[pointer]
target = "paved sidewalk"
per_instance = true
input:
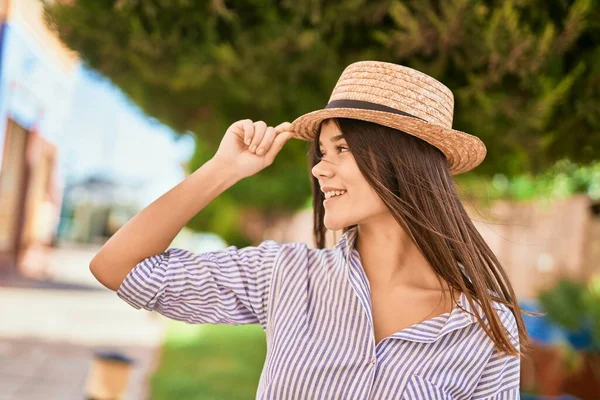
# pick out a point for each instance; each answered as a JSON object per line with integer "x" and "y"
{"x": 32, "y": 369}
{"x": 50, "y": 330}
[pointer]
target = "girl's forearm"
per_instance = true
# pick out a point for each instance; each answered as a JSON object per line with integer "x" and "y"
{"x": 153, "y": 229}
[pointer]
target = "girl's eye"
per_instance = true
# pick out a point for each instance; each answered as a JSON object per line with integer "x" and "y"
{"x": 337, "y": 148}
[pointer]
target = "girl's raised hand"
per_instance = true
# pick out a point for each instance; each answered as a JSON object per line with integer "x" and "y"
{"x": 249, "y": 146}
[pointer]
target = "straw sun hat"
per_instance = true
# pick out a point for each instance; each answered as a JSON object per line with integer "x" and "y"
{"x": 402, "y": 98}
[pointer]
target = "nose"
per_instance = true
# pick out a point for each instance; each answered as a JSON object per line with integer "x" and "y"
{"x": 322, "y": 168}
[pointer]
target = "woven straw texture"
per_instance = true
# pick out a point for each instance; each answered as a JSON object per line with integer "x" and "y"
{"x": 408, "y": 91}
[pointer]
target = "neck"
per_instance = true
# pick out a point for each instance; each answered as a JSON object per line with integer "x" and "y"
{"x": 390, "y": 258}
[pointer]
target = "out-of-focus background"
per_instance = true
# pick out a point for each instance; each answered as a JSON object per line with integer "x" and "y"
{"x": 105, "y": 105}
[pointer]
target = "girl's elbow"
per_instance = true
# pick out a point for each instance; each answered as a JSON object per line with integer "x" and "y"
{"x": 102, "y": 274}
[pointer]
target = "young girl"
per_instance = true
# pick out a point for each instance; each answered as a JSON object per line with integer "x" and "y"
{"x": 409, "y": 304}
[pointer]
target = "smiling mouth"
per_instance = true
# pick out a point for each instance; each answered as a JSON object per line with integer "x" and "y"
{"x": 333, "y": 198}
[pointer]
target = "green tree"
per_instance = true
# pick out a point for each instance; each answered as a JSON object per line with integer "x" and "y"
{"x": 525, "y": 73}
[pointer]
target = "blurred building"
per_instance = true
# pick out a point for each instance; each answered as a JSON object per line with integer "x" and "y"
{"x": 540, "y": 243}
{"x": 36, "y": 85}
{"x": 95, "y": 208}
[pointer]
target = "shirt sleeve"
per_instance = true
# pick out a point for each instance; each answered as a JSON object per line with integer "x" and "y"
{"x": 501, "y": 375}
{"x": 228, "y": 286}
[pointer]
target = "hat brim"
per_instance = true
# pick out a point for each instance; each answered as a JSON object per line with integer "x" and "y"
{"x": 463, "y": 151}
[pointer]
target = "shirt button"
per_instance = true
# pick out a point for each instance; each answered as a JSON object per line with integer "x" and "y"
{"x": 373, "y": 361}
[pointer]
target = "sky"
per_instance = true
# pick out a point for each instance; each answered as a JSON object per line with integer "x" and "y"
{"x": 107, "y": 134}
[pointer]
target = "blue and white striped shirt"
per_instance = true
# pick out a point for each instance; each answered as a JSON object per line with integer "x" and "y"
{"x": 315, "y": 308}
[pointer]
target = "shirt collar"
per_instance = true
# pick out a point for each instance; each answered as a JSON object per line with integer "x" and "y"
{"x": 432, "y": 329}
{"x": 347, "y": 242}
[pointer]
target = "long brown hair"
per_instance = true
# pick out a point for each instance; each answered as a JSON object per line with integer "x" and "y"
{"x": 413, "y": 180}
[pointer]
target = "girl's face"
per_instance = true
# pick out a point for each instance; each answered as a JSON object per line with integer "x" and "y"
{"x": 338, "y": 169}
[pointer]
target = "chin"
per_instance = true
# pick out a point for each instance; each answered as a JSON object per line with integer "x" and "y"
{"x": 330, "y": 225}
{"x": 335, "y": 225}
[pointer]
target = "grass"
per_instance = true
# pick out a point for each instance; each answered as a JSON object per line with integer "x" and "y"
{"x": 209, "y": 362}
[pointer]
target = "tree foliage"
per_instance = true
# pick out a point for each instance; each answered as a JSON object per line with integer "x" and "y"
{"x": 525, "y": 73}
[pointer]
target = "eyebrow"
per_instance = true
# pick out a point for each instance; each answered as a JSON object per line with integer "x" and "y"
{"x": 334, "y": 138}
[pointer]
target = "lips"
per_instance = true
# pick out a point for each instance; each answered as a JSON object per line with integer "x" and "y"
{"x": 333, "y": 198}
{"x": 326, "y": 189}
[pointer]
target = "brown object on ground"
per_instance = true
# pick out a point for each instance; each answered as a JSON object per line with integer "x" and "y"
{"x": 108, "y": 376}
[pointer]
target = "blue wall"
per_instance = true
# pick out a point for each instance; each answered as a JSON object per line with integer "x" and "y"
{"x": 34, "y": 89}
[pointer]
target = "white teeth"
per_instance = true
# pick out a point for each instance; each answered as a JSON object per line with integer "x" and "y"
{"x": 334, "y": 193}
